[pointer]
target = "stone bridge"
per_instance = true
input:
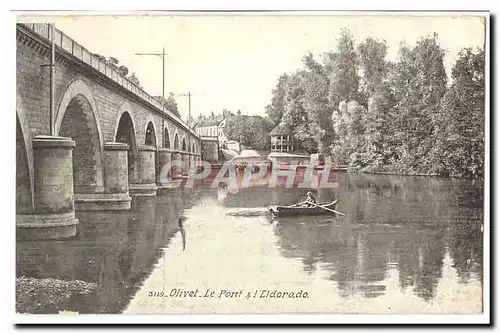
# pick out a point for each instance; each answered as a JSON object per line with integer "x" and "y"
{"x": 107, "y": 139}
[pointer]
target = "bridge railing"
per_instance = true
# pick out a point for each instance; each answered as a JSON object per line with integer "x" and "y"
{"x": 212, "y": 138}
{"x": 69, "y": 45}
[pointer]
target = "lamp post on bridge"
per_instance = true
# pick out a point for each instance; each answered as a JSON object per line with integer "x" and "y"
{"x": 51, "y": 65}
{"x": 162, "y": 55}
{"x": 188, "y": 94}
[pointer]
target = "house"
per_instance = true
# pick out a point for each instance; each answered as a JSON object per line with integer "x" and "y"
{"x": 213, "y": 126}
{"x": 210, "y": 126}
{"x": 285, "y": 147}
{"x": 282, "y": 139}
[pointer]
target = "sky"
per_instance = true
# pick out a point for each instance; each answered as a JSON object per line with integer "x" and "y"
{"x": 233, "y": 60}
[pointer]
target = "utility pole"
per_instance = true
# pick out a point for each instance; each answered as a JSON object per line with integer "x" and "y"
{"x": 51, "y": 65}
{"x": 162, "y": 55}
{"x": 188, "y": 94}
{"x": 52, "y": 79}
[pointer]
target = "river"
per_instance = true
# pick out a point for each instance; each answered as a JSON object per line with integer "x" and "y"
{"x": 406, "y": 244}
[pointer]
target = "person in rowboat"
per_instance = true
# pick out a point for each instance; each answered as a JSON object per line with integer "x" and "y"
{"x": 308, "y": 202}
{"x": 310, "y": 199}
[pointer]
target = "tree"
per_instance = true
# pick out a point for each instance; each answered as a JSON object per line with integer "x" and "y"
{"x": 379, "y": 143}
{"x": 249, "y": 131}
{"x": 372, "y": 55}
{"x": 343, "y": 76}
{"x": 169, "y": 103}
{"x": 123, "y": 70}
{"x": 133, "y": 78}
{"x": 295, "y": 115}
{"x": 374, "y": 88}
{"x": 306, "y": 107}
{"x": 339, "y": 150}
{"x": 350, "y": 146}
{"x": 418, "y": 83}
{"x": 377, "y": 115}
{"x": 113, "y": 62}
{"x": 100, "y": 57}
{"x": 312, "y": 65}
{"x": 459, "y": 147}
{"x": 275, "y": 110}
{"x": 318, "y": 112}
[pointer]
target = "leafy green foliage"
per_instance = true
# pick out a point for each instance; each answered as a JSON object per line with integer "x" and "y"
{"x": 249, "y": 131}
{"x": 459, "y": 148}
{"x": 276, "y": 109}
{"x": 169, "y": 103}
{"x": 344, "y": 65}
{"x": 377, "y": 115}
{"x": 133, "y": 78}
{"x": 123, "y": 70}
{"x": 372, "y": 55}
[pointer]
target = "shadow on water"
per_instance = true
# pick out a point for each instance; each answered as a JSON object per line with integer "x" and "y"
{"x": 116, "y": 250}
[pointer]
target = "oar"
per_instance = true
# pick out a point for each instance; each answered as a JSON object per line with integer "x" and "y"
{"x": 339, "y": 213}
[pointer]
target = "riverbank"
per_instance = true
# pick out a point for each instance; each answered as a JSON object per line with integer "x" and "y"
{"x": 49, "y": 295}
{"x": 402, "y": 172}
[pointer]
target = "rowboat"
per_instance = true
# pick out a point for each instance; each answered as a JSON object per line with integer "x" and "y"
{"x": 281, "y": 211}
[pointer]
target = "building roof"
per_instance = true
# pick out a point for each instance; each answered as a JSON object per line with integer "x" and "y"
{"x": 280, "y": 130}
{"x": 209, "y": 121}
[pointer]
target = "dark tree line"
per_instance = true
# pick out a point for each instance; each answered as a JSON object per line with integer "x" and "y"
{"x": 376, "y": 115}
{"x": 169, "y": 103}
{"x": 121, "y": 69}
{"x": 249, "y": 131}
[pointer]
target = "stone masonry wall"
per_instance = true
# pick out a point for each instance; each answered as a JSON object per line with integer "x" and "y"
{"x": 107, "y": 100}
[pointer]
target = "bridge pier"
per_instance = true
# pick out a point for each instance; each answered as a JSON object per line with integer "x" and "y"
{"x": 177, "y": 170}
{"x": 185, "y": 164}
{"x": 146, "y": 172}
{"x": 197, "y": 159}
{"x": 164, "y": 156}
{"x": 115, "y": 195}
{"x": 53, "y": 206}
{"x": 193, "y": 165}
{"x": 189, "y": 162}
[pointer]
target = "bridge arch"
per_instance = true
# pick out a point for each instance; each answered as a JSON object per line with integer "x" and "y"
{"x": 176, "y": 141}
{"x": 184, "y": 147}
{"x": 126, "y": 107}
{"x": 77, "y": 87}
{"x": 77, "y": 118}
{"x": 167, "y": 138}
{"x": 150, "y": 136}
{"x": 24, "y": 162}
{"x": 125, "y": 133}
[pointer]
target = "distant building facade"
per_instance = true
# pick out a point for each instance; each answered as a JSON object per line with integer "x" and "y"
{"x": 213, "y": 126}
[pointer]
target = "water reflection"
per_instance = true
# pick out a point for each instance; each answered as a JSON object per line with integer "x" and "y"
{"x": 264, "y": 196}
{"x": 116, "y": 250}
{"x": 401, "y": 236}
{"x": 405, "y": 221}
{"x": 183, "y": 232}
